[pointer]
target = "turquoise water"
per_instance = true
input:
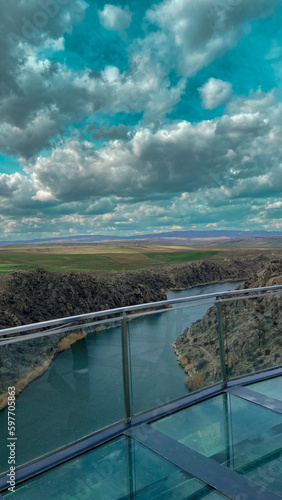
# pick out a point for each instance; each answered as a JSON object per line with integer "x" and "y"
{"x": 271, "y": 388}
{"x": 119, "y": 470}
{"x": 236, "y": 433}
{"x": 82, "y": 391}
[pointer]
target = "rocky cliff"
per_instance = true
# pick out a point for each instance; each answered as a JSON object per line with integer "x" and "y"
{"x": 38, "y": 295}
{"x": 252, "y": 334}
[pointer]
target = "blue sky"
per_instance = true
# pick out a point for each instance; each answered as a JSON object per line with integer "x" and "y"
{"x": 135, "y": 117}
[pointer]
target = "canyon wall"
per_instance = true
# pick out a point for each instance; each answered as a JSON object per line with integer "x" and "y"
{"x": 252, "y": 331}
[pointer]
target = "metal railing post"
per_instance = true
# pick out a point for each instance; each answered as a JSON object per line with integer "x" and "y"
{"x": 126, "y": 369}
{"x": 221, "y": 343}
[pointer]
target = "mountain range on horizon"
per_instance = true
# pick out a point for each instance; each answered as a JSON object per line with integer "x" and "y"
{"x": 187, "y": 235}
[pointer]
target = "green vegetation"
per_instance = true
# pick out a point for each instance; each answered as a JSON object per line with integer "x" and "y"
{"x": 180, "y": 256}
{"x": 12, "y": 261}
{"x": 57, "y": 262}
{"x": 8, "y": 268}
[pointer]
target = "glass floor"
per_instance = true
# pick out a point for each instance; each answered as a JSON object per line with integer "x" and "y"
{"x": 271, "y": 388}
{"x": 238, "y": 434}
{"x": 223, "y": 447}
{"x": 121, "y": 469}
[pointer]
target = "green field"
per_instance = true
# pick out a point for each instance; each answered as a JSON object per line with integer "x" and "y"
{"x": 8, "y": 268}
{"x": 166, "y": 257}
{"x": 69, "y": 262}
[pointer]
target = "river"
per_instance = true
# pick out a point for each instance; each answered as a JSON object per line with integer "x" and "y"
{"x": 83, "y": 391}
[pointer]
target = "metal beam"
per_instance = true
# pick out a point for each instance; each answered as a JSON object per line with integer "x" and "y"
{"x": 222, "y": 479}
{"x": 126, "y": 369}
{"x": 258, "y": 376}
{"x": 257, "y": 398}
{"x": 222, "y": 351}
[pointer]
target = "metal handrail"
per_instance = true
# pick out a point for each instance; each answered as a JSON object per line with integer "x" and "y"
{"x": 137, "y": 307}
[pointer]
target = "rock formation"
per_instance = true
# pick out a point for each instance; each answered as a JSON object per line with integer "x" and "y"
{"x": 252, "y": 334}
{"x": 38, "y": 295}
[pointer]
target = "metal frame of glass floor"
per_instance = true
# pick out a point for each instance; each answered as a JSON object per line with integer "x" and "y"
{"x": 222, "y": 440}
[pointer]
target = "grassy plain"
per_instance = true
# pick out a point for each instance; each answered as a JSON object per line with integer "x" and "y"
{"x": 138, "y": 254}
{"x": 69, "y": 258}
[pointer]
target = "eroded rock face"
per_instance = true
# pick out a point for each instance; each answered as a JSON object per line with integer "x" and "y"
{"x": 252, "y": 331}
{"x": 38, "y": 295}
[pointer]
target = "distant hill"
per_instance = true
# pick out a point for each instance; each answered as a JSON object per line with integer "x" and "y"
{"x": 187, "y": 235}
{"x": 209, "y": 234}
{"x": 71, "y": 239}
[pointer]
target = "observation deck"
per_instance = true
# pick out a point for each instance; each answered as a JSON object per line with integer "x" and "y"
{"x": 126, "y": 415}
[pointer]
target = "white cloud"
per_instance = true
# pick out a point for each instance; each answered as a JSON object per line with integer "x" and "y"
{"x": 107, "y": 185}
{"x": 46, "y": 97}
{"x": 212, "y": 224}
{"x": 176, "y": 157}
{"x": 40, "y": 98}
{"x": 11, "y": 184}
{"x": 273, "y": 223}
{"x": 276, "y": 204}
{"x": 115, "y": 18}
{"x": 42, "y": 195}
{"x": 215, "y": 92}
{"x": 179, "y": 156}
{"x": 194, "y": 33}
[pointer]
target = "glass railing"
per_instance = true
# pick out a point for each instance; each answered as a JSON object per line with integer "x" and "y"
{"x": 72, "y": 377}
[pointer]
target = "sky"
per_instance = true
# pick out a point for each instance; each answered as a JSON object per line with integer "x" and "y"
{"x": 139, "y": 117}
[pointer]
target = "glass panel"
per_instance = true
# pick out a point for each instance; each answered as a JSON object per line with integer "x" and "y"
{"x": 271, "y": 388}
{"x": 240, "y": 435}
{"x": 254, "y": 341}
{"x": 166, "y": 363}
{"x": 119, "y": 470}
{"x": 66, "y": 395}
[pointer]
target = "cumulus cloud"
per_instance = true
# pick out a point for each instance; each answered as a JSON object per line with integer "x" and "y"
{"x": 9, "y": 184}
{"x": 193, "y": 34}
{"x": 115, "y": 18}
{"x": 40, "y": 98}
{"x": 199, "y": 173}
{"x": 215, "y": 92}
{"x": 28, "y": 86}
{"x": 168, "y": 172}
{"x": 230, "y": 151}
{"x": 32, "y": 23}
{"x": 275, "y": 205}
{"x": 37, "y": 21}
{"x": 49, "y": 97}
